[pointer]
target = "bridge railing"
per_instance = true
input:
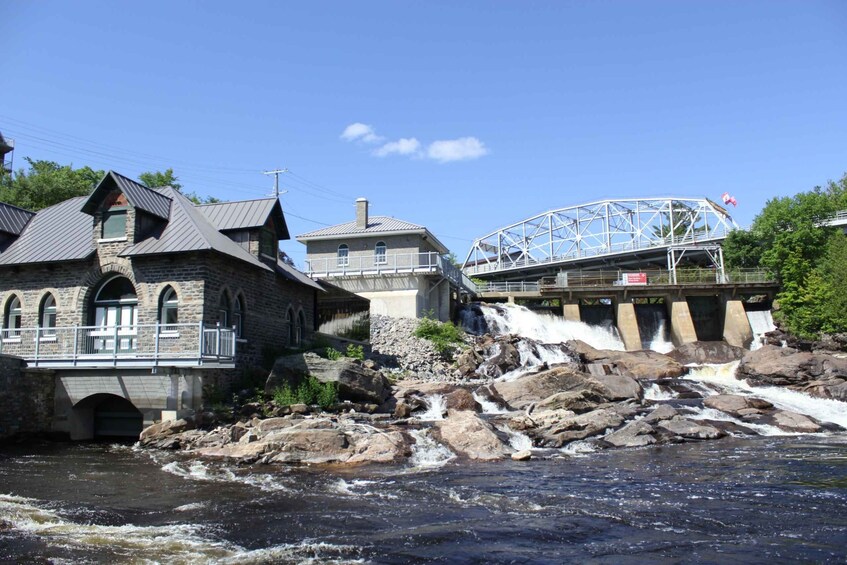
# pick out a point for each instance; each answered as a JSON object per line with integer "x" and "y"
{"x": 507, "y": 286}
{"x": 107, "y": 345}
{"x": 653, "y": 277}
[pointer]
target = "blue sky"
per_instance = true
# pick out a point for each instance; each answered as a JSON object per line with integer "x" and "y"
{"x": 478, "y": 114}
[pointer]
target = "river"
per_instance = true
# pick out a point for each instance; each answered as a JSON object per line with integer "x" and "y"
{"x": 773, "y": 498}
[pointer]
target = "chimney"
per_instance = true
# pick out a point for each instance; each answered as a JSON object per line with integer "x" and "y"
{"x": 362, "y": 213}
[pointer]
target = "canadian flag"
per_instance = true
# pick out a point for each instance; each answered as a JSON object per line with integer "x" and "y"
{"x": 729, "y": 199}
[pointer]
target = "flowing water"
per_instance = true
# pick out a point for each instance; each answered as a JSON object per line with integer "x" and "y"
{"x": 771, "y": 498}
{"x": 761, "y": 322}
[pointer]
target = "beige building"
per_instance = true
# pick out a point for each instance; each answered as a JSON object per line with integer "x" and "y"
{"x": 399, "y": 266}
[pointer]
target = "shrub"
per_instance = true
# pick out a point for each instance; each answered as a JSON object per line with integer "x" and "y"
{"x": 445, "y": 337}
{"x": 333, "y": 354}
{"x": 355, "y": 352}
{"x": 284, "y": 396}
{"x": 309, "y": 391}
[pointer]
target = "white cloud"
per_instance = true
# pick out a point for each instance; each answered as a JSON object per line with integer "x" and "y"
{"x": 461, "y": 149}
{"x": 404, "y": 146}
{"x": 361, "y": 132}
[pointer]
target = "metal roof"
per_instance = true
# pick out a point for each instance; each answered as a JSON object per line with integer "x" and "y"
{"x": 246, "y": 214}
{"x": 13, "y": 219}
{"x": 189, "y": 230}
{"x": 59, "y": 233}
{"x": 377, "y": 225}
{"x": 138, "y": 195}
{"x": 293, "y": 274}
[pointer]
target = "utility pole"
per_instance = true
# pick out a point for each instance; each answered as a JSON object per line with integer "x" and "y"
{"x": 276, "y": 173}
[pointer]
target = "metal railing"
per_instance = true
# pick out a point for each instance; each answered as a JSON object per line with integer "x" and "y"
{"x": 653, "y": 277}
{"x": 146, "y": 343}
{"x": 507, "y": 287}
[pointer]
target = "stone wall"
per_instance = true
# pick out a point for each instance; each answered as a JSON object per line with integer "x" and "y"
{"x": 26, "y": 399}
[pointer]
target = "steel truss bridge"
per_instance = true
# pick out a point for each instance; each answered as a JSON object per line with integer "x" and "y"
{"x": 628, "y": 233}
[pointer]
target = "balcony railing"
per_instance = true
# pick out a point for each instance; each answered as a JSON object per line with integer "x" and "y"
{"x": 375, "y": 264}
{"x": 132, "y": 345}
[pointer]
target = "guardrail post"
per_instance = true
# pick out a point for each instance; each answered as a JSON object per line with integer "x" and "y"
{"x": 218, "y": 340}
{"x": 37, "y": 343}
{"x": 76, "y": 343}
{"x": 200, "y": 339}
{"x": 156, "y": 343}
{"x": 115, "y": 346}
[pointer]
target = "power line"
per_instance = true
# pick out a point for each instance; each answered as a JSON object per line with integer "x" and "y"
{"x": 276, "y": 173}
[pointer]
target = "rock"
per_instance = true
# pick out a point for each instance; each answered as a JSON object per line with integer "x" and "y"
{"x": 242, "y": 452}
{"x": 355, "y": 381}
{"x": 523, "y": 391}
{"x": 577, "y": 401}
{"x": 690, "y": 430}
{"x": 634, "y": 434}
{"x": 309, "y": 445}
{"x": 299, "y": 409}
{"x": 729, "y": 403}
{"x": 554, "y": 428}
{"x": 271, "y": 424}
{"x": 661, "y": 412}
{"x": 394, "y": 344}
{"x": 818, "y": 373}
{"x": 468, "y": 361}
{"x": 524, "y": 455}
{"x": 461, "y": 399}
{"x": 701, "y": 352}
{"x": 645, "y": 364}
{"x": 402, "y": 411}
{"x": 500, "y": 356}
{"x": 165, "y": 429}
{"x": 381, "y": 447}
{"x": 794, "y": 422}
{"x": 464, "y": 432}
{"x": 620, "y": 387}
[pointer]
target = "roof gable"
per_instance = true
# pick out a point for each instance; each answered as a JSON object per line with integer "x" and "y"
{"x": 246, "y": 214}
{"x": 13, "y": 219}
{"x": 138, "y": 195}
{"x": 61, "y": 232}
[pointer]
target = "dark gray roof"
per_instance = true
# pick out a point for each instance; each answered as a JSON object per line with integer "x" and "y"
{"x": 293, "y": 274}
{"x": 189, "y": 230}
{"x": 58, "y": 233}
{"x": 138, "y": 195}
{"x": 13, "y": 219}
{"x": 377, "y": 225}
{"x": 246, "y": 214}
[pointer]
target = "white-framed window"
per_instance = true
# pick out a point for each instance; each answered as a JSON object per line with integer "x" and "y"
{"x": 169, "y": 310}
{"x": 379, "y": 253}
{"x": 238, "y": 316}
{"x": 47, "y": 315}
{"x": 343, "y": 255}
{"x": 115, "y": 309}
{"x": 12, "y": 318}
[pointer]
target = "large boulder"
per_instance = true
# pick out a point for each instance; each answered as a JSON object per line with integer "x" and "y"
{"x": 355, "y": 381}
{"x": 381, "y": 447}
{"x": 464, "y": 432}
{"x": 555, "y": 428}
{"x": 737, "y": 405}
{"x": 499, "y": 356}
{"x": 794, "y": 422}
{"x": 528, "y": 389}
{"x": 461, "y": 399}
{"x": 635, "y": 434}
{"x": 620, "y": 387}
{"x": 688, "y": 429}
{"x": 819, "y": 374}
{"x": 701, "y": 352}
{"x": 644, "y": 364}
{"x": 165, "y": 429}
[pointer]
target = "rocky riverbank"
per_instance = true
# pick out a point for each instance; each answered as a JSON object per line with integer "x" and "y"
{"x": 486, "y": 404}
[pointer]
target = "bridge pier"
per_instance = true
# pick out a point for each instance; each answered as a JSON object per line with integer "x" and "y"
{"x": 736, "y": 326}
{"x": 682, "y": 325}
{"x": 628, "y": 325}
{"x": 570, "y": 311}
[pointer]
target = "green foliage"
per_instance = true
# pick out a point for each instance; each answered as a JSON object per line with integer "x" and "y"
{"x": 309, "y": 391}
{"x": 355, "y": 352}
{"x": 155, "y": 179}
{"x": 333, "y": 354}
{"x": 47, "y": 183}
{"x": 806, "y": 259}
{"x": 445, "y": 337}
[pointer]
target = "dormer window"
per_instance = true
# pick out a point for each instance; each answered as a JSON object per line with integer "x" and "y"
{"x": 266, "y": 242}
{"x": 114, "y": 222}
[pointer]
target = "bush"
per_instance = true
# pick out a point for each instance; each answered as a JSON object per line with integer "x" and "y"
{"x": 310, "y": 391}
{"x": 333, "y": 354}
{"x": 445, "y": 337}
{"x": 355, "y": 352}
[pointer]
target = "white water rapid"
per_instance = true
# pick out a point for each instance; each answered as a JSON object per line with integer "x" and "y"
{"x": 658, "y": 341}
{"x": 436, "y": 408}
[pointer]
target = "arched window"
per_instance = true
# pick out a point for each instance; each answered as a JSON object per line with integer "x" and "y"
{"x": 301, "y": 327}
{"x": 169, "y": 310}
{"x": 289, "y": 320}
{"x": 47, "y": 315}
{"x": 223, "y": 309}
{"x": 12, "y": 318}
{"x": 238, "y": 316}
{"x": 343, "y": 252}
{"x": 115, "y": 306}
{"x": 379, "y": 253}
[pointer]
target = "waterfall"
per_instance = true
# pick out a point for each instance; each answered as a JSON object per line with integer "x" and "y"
{"x": 435, "y": 408}
{"x": 659, "y": 342}
{"x": 428, "y": 453}
{"x": 545, "y": 328}
{"x": 723, "y": 378}
{"x": 488, "y": 407}
{"x": 761, "y": 322}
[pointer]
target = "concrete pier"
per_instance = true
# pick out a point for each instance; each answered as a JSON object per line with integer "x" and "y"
{"x": 682, "y": 326}
{"x": 628, "y": 325}
{"x": 736, "y": 326}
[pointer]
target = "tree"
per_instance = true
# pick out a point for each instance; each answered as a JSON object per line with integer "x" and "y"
{"x": 155, "y": 179}
{"x": 47, "y": 183}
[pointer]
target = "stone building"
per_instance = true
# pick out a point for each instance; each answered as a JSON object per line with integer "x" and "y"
{"x": 139, "y": 300}
{"x": 401, "y": 267}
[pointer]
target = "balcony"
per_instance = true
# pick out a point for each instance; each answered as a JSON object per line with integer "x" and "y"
{"x": 129, "y": 346}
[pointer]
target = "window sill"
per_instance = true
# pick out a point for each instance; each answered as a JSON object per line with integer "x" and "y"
{"x": 241, "y": 340}
{"x": 168, "y": 335}
{"x": 11, "y": 340}
{"x": 111, "y": 240}
{"x": 47, "y": 339}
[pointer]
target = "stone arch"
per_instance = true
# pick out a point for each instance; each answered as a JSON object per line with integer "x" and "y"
{"x": 95, "y": 276}
{"x": 239, "y": 312}
{"x": 105, "y": 415}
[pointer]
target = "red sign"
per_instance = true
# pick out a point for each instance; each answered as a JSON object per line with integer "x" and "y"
{"x": 635, "y": 278}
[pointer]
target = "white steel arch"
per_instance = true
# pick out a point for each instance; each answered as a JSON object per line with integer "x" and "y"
{"x": 606, "y": 227}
